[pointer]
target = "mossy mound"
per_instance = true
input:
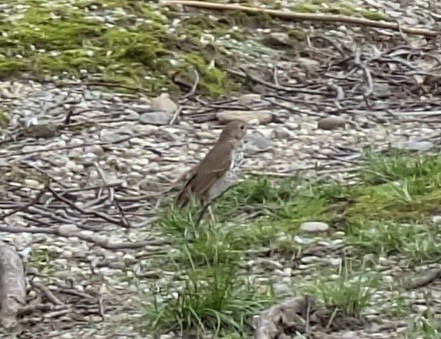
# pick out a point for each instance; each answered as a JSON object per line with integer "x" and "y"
{"x": 129, "y": 42}
{"x": 122, "y": 42}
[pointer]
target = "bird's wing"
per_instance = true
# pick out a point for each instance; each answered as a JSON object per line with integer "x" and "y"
{"x": 215, "y": 164}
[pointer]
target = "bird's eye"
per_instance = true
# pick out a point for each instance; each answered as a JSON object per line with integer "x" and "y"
{"x": 242, "y": 127}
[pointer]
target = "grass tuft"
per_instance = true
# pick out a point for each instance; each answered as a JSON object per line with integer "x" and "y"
{"x": 287, "y": 199}
{"x": 349, "y": 291}
{"x": 394, "y": 166}
{"x": 417, "y": 241}
{"x": 423, "y": 326}
{"x": 213, "y": 300}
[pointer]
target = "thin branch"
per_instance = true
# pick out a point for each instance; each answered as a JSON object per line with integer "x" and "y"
{"x": 193, "y": 88}
{"x": 49, "y": 295}
{"x": 82, "y": 210}
{"x": 26, "y": 206}
{"x": 305, "y": 16}
{"x": 112, "y": 197}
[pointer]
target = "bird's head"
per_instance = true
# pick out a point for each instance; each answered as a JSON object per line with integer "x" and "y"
{"x": 234, "y": 131}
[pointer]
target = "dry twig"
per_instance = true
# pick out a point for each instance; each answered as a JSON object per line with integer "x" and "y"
{"x": 305, "y": 16}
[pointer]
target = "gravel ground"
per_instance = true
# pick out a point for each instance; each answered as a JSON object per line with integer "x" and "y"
{"x": 118, "y": 153}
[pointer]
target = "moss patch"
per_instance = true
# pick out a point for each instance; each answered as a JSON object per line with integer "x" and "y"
{"x": 115, "y": 41}
{"x": 4, "y": 119}
{"x": 399, "y": 187}
{"x": 130, "y": 42}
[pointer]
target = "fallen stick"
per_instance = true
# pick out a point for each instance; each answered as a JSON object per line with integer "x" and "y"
{"x": 305, "y": 16}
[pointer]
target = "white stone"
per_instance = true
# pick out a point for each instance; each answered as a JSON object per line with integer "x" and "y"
{"x": 33, "y": 183}
{"x": 67, "y": 229}
{"x": 247, "y": 99}
{"x": 314, "y": 226}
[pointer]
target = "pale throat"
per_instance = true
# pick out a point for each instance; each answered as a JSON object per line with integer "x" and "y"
{"x": 236, "y": 158}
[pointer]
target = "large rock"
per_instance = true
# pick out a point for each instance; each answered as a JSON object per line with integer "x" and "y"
{"x": 163, "y": 103}
{"x": 331, "y": 123}
{"x": 249, "y": 117}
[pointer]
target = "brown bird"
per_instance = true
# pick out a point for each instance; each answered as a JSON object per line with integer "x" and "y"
{"x": 217, "y": 172}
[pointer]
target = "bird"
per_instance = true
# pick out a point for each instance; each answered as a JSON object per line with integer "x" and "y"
{"x": 217, "y": 171}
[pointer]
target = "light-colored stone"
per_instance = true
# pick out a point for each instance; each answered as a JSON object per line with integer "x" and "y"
{"x": 163, "y": 103}
{"x": 33, "y": 183}
{"x": 349, "y": 335}
{"x": 410, "y": 145}
{"x": 308, "y": 65}
{"x": 67, "y": 229}
{"x": 155, "y": 118}
{"x": 281, "y": 289}
{"x": 436, "y": 219}
{"x": 382, "y": 90}
{"x": 247, "y": 99}
{"x": 275, "y": 39}
{"x": 306, "y": 127}
{"x": 256, "y": 143}
{"x": 283, "y": 133}
{"x": 314, "y": 226}
{"x": 292, "y": 125}
{"x": 310, "y": 259}
{"x": 263, "y": 117}
{"x": 331, "y": 123}
{"x": 335, "y": 261}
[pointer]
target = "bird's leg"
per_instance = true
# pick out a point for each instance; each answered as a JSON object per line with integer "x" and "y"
{"x": 210, "y": 212}
{"x": 201, "y": 214}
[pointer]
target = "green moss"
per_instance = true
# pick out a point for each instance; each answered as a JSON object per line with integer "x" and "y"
{"x": 373, "y": 15}
{"x": 202, "y": 22}
{"x": 297, "y": 34}
{"x": 42, "y": 260}
{"x": 305, "y": 8}
{"x": 4, "y": 119}
{"x": 398, "y": 187}
{"x": 418, "y": 241}
{"x": 255, "y": 20}
{"x": 58, "y": 41}
{"x": 9, "y": 67}
{"x": 213, "y": 80}
{"x": 284, "y": 203}
{"x": 403, "y": 200}
{"x": 134, "y": 48}
{"x": 341, "y": 10}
